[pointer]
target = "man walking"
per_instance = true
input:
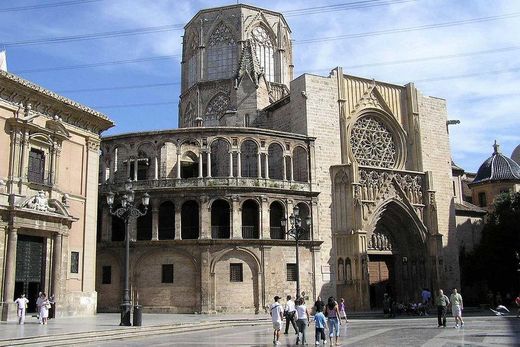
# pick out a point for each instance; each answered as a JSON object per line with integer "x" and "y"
{"x": 457, "y": 307}
{"x": 277, "y": 318}
{"x": 442, "y": 303}
{"x": 21, "y": 304}
{"x": 290, "y": 311}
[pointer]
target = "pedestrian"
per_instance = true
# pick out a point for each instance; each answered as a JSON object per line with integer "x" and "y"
{"x": 332, "y": 314}
{"x": 52, "y": 311}
{"x": 289, "y": 313}
{"x": 303, "y": 320}
{"x": 442, "y": 303}
{"x": 426, "y": 296}
{"x": 319, "y": 304}
{"x": 517, "y": 302}
{"x": 456, "y": 308}
{"x": 342, "y": 311}
{"x": 21, "y": 305}
{"x": 44, "y": 309}
{"x": 320, "y": 323}
{"x": 277, "y": 319}
{"x": 39, "y": 301}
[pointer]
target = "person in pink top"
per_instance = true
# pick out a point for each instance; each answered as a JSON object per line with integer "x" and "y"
{"x": 342, "y": 311}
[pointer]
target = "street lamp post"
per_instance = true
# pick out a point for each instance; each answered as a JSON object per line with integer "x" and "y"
{"x": 126, "y": 212}
{"x": 296, "y": 231}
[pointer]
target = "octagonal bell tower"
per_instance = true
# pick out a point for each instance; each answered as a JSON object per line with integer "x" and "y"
{"x": 236, "y": 60}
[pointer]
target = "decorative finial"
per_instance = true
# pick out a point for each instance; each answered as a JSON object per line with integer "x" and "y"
{"x": 496, "y": 147}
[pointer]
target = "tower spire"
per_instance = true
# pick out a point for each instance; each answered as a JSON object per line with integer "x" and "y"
{"x": 496, "y": 148}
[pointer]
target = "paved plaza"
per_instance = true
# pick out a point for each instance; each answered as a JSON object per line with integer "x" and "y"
{"x": 222, "y": 330}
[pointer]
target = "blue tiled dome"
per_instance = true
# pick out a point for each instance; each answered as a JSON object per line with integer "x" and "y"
{"x": 498, "y": 167}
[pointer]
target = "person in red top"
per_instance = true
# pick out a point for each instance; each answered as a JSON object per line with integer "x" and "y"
{"x": 517, "y": 302}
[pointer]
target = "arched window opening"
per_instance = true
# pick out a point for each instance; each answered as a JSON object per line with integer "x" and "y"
{"x": 250, "y": 220}
{"x": 276, "y": 214}
{"x": 167, "y": 221}
{"x": 348, "y": 270}
{"x": 189, "y": 115}
{"x": 249, "y": 159}
{"x": 264, "y": 49}
{"x": 191, "y": 58}
{"x": 189, "y": 165}
{"x": 220, "y": 219}
{"x": 341, "y": 270}
{"x": 144, "y": 226}
{"x": 300, "y": 165}
{"x": 220, "y": 158}
{"x": 304, "y": 213}
{"x": 275, "y": 161}
{"x": 217, "y": 106}
{"x": 288, "y": 171}
{"x": 221, "y": 53}
{"x": 190, "y": 220}
{"x": 118, "y": 227}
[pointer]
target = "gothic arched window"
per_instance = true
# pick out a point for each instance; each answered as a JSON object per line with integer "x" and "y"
{"x": 191, "y": 58}
{"x": 216, "y": 108}
{"x": 189, "y": 115}
{"x": 221, "y": 53}
{"x": 341, "y": 270}
{"x": 372, "y": 143}
{"x": 264, "y": 51}
{"x": 348, "y": 270}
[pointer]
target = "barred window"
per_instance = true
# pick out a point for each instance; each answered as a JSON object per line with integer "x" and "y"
{"x": 236, "y": 273}
{"x": 167, "y": 273}
{"x": 106, "y": 275}
{"x": 74, "y": 262}
{"x": 292, "y": 272}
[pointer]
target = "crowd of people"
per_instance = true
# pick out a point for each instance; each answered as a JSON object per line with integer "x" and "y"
{"x": 296, "y": 313}
{"x": 44, "y": 308}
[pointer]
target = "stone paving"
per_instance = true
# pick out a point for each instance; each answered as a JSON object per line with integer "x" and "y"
{"x": 478, "y": 331}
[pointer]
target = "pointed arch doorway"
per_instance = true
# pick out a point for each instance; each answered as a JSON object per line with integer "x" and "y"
{"x": 397, "y": 255}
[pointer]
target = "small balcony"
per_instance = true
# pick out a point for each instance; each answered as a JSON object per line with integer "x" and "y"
{"x": 250, "y": 232}
{"x": 277, "y": 233}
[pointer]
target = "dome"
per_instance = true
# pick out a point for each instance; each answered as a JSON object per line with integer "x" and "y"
{"x": 516, "y": 154}
{"x": 497, "y": 167}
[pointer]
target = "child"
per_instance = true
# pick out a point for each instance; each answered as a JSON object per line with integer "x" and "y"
{"x": 320, "y": 323}
{"x": 342, "y": 312}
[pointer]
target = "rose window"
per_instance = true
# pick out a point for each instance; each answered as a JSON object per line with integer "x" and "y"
{"x": 372, "y": 143}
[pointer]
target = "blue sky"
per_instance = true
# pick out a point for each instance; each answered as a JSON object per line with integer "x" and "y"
{"x": 471, "y": 60}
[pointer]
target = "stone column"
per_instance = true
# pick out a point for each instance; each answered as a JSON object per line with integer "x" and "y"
{"x": 112, "y": 172}
{"x": 266, "y": 165}
{"x": 179, "y": 164}
{"x": 106, "y": 226}
{"x": 135, "y": 169}
{"x": 24, "y": 161}
{"x": 128, "y": 163}
{"x": 52, "y": 166}
{"x": 178, "y": 219}
{"x": 265, "y": 230}
{"x": 204, "y": 220}
{"x": 9, "y": 308}
{"x": 288, "y": 211}
{"x": 155, "y": 219}
{"x": 208, "y": 154}
{"x": 206, "y": 299}
{"x": 57, "y": 261}
{"x": 259, "y": 164}
{"x": 156, "y": 166}
{"x": 239, "y": 165}
{"x": 236, "y": 231}
{"x": 200, "y": 165}
{"x": 231, "y": 164}
{"x": 292, "y": 169}
{"x": 284, "y": 168}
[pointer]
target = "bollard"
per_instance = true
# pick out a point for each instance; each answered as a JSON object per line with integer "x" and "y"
{"x": 138, "y": 316}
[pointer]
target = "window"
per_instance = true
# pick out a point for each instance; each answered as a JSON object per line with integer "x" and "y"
{"x": 107, "y": 275}
{"x": 482, "y": 199}
{"x": 264, "y": 51}
{"x": 235, "y": 273}
{"x": 292, "y": 272}
{"x": 221, "y": 53}
{"x": 167, "y": 273}
{"x": 36, "y": 166}
{"x": 74, "y": 262}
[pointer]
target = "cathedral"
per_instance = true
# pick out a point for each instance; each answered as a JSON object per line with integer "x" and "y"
{"x": 365, "y": 165}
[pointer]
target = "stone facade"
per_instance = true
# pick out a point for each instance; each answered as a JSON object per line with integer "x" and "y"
{"x": 368, "y": 161}
{"x": 48, "y": 197}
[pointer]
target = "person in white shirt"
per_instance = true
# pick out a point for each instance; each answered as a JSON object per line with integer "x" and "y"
{"x": 277, "y": 319}
{"x": 303, "y": 320}
{"x": 290, "y": 311}
{"x": 39, "y": 307}
{"x": 21, "y": 304}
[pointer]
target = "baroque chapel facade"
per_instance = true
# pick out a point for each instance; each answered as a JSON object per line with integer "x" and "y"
{"x": 367, "y": 161}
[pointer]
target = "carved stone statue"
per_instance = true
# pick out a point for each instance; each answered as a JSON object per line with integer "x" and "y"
{"x": 40, "y": 202}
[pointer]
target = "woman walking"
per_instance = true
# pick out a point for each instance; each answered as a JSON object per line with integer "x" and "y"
{"x": 44, "y": 308}
{"x": 342, "y": 311}
{"x": 303, "y": 320}
{"x": 332, "y": 313}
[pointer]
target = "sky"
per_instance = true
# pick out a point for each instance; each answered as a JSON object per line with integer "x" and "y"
{"x": 122, "y": 57}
